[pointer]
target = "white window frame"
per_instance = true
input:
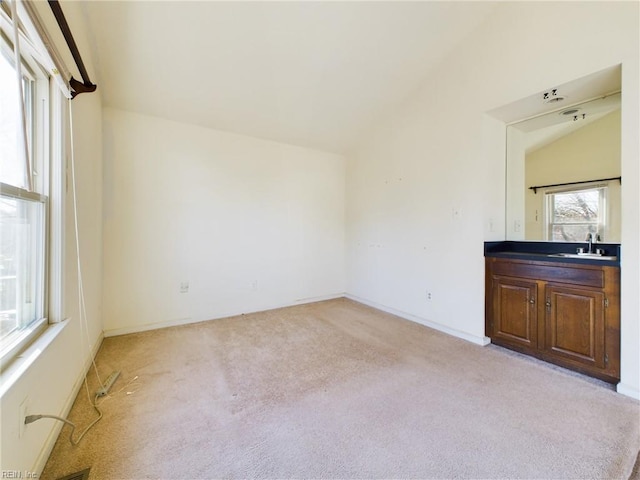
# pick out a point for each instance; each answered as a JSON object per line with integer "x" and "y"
{"x": 47, "y": 151}
{"x": 602, "y": 225}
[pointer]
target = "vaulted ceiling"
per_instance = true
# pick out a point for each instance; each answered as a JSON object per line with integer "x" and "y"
{"x": 314, "y": 74}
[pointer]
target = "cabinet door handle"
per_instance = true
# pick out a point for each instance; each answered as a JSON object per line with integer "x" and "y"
{"x": 532, "y": 300}
{"x": 548, "y": 303}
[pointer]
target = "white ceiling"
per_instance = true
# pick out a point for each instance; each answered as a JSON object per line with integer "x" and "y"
{"x": 315, "y": 74}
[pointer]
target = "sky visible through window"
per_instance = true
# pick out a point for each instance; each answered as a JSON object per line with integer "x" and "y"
{"x": 11, "y": 170}
{"x": 10, "y": 173}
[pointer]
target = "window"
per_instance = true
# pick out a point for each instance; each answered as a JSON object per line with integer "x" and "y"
{"x": 24, "y": 201}
{"x": 573, "y": 214}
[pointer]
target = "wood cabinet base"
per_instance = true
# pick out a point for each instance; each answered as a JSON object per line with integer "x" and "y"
{"x": 560, "y": 362}
{"x": 566, "y": 314}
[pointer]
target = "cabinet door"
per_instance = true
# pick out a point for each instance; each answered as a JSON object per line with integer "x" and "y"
{"x": 574, "y": 324}
{"x": 514, "y": 312}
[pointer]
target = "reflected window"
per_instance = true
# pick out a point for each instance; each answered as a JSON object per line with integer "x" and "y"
{"x": 573, "y": 214}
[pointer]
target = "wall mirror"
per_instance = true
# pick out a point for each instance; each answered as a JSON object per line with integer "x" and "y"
{"x": 563, "y": 173}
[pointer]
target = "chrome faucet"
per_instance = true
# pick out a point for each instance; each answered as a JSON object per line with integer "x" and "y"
{"x": 590, "y": 242}
{"x": 591, "y": 239}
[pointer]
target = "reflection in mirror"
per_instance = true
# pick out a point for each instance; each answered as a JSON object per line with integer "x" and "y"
{"x": 563, "y": 174}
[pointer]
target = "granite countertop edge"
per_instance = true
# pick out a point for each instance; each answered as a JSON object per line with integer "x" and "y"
{"x": 542, "y": 251}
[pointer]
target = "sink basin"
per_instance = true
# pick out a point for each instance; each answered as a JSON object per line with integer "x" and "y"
{"x": 590, "y": 256}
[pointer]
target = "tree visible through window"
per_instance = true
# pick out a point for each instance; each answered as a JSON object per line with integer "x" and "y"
{"x": 572, "y": 215}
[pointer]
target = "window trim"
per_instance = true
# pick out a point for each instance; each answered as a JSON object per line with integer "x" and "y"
{"x": 55, "y": 211}
{"x": 21, "y": 342}
{"x": 21, "y": 194}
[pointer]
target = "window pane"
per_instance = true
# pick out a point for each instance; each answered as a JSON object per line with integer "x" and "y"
{"x": 572, "y": 215}
{"x": 576, "y": 207}
{"x": 12, "y": 165}
{"x": 572, "y": 233}
{"x": 11, "y": 171}
{"x": 21, "y": 265}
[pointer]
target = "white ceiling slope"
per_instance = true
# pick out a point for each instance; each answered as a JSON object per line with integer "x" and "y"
{"x": 314, "y": 74}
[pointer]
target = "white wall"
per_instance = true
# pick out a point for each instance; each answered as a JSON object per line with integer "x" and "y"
{"x": 422, "y": 189}
{"x": 51, "y": 381}
{"x": 250, "y": 224}
{"x": 516, "y": 174}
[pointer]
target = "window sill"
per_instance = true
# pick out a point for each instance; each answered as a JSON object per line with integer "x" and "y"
{"x": 18, "y": 342}
{"x": 21, "y": 363}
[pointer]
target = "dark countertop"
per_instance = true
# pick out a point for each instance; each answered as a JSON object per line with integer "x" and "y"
{"x": 541, "y": 251}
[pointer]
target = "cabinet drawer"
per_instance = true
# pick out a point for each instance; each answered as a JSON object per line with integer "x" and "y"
{"x": 587, "y": 277}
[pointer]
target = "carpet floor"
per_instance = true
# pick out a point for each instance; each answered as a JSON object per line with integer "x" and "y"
{"x": 336, "y": 389}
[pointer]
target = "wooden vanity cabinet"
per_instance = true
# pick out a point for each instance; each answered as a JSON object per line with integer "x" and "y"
{"x": 564, "y": 313}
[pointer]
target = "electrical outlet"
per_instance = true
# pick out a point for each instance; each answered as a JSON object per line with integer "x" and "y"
{"x": 254, "y": 285}
{"x": 428, "y": 295}
{"x": 23, "y": 411}
{"x": 184, "y": 287}
{"x": 516, "y": 225}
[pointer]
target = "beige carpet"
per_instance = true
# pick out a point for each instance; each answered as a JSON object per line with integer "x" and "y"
{"x": 339, "y": 390}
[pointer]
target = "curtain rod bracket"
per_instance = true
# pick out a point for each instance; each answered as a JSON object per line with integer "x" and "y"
{"x": 78, "y": 87}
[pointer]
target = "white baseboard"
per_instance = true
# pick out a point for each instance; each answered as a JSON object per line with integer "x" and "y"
{"x": 628, "y": 391}
{"x": 185, "y": 321}
{"x": 41, "y": 461}
{"x": 321, "y": 298}
{"x": 149, "y": 326}
{"x": 423, "y": 321}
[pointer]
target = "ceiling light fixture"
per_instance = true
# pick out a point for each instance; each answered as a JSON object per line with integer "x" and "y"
{"x": 552, "y": 96}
